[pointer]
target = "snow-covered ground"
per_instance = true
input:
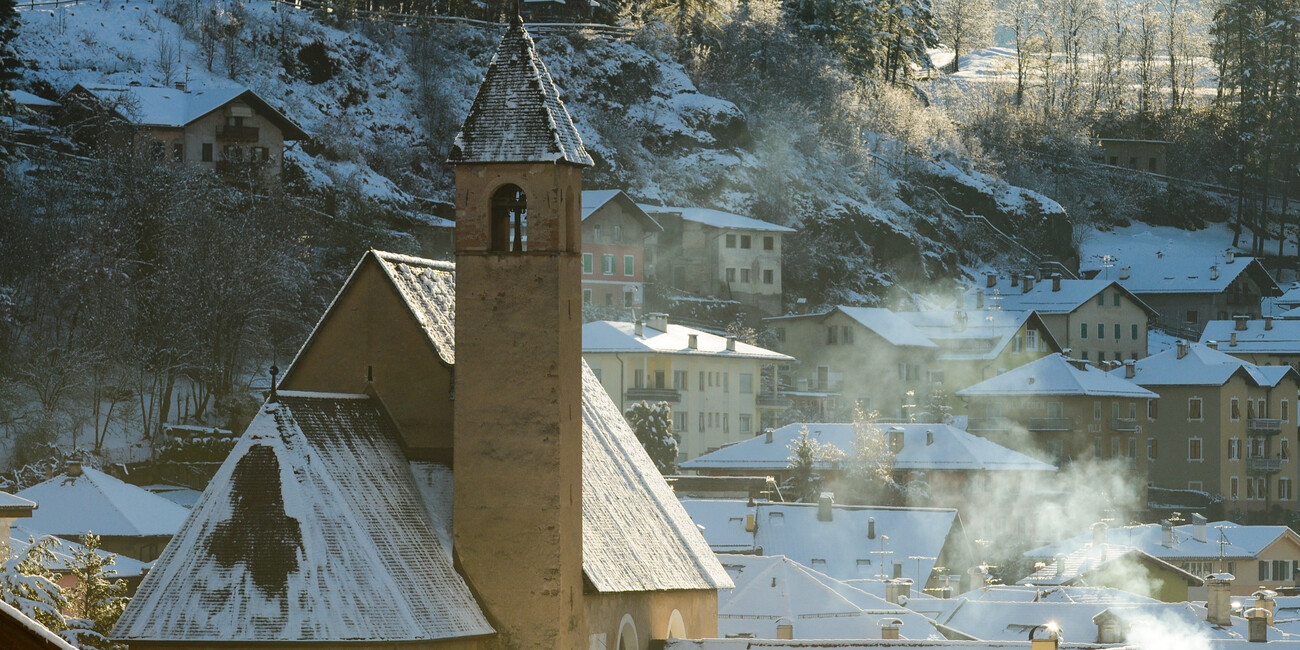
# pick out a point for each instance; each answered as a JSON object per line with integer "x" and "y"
{"x": 1142, "y": 241}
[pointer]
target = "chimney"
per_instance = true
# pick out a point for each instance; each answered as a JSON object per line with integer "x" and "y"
{"x": 1232, "y": 340}
{"x": 1218, "y": 604}
{"x": 929, "y": 437}
{"x": 1268, "y": 323}
{"x": 1099, "y": 533}
{"x": 731, "y": 344}
{"x": 898, "y": 590}
{"x": 1015, "y": 280}
{"x": 1265, "y": 600}
{"x": 693, "y": 341}
{"x": 1166, "y": 533}
{"x": 979, "y": 300}
{"x": 639, "y": 328}
{"x": 1029, "y": 283}
{"x": 1125, "y": 272}
{"x": 1213, "y": 345}
{"x": 1130, "y": 368}
{"x": 73, "y": 469}
{"x": 1257, "y": 619}
{"x": 824, "y": 510}
{"x": 1232, "y": 257}
{"x": 871, "y": 528}
{"x": 1079, "y": 364}
{"x": 801, "y": 306}
{"x": 1045, "y": 637}
{"x": 889, "y": 628}
{"x": 767, "y": 436}
{"x": 657, "y": 321}
{"x": 1182, "y": 347}
{"x": 1198, "y": 527}
{"x": 1214, "y": 272}
{"x": 1056, "y": 282}
{"x": 1241, "y": 322}
{"x": 179, "y": 85}
{"x": 991, "y": 280}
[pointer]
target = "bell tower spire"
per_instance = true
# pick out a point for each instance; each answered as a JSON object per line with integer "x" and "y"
{"x": 518, "y": 427}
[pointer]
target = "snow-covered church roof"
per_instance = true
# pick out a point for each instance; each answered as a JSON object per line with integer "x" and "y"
{"x": 517, "y": 115}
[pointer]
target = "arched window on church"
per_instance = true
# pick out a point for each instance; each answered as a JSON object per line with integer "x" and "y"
{"x": 508, "y": 219}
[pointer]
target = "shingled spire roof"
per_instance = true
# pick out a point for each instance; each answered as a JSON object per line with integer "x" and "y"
{"x": 517, "y": 115}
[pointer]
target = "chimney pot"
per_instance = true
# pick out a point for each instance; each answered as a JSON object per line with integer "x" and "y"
{"x": 1045, "y": 637}
{"x": 1130, "y": 369}
{"x": 1268, "y": 323}
{"x": 1232, "y": 340}
{"x": 1166, "y": 533}
{"x": 731, "y": 344}
{"x": 871, "y": 528}
{"x": 767, "y": 436}
{"x": 1056, "y": 282}
{"x": 74, "y": 468}
{"x": 1182, "y": 348}
{"x": 639, "y": 328}
{"x": 1232, "y": 257}
{"x": 1241, "y": 322}
{"x": 991, "y": 280}
{"x": 1218, "y": 603}
{"x": 1214, "y": 272}
{"x": 693, "y": 341}
{"x": 1125, "y": 272}
{"x": 824, "y": 510}
{"x": 929, "y": 437}
{"x": 1029, "y": 283}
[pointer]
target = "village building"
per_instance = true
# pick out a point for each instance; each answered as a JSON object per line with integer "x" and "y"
{"x": 21, "y": 538}
{"x": 708, "y": 252}
{"x": 21, "y": 632}
{"x": 1143, "y": 155}
{"x": 129, "y": 520}
{"x": 715, "y": 384}
{"x": 1062, "y": 409}
{"x": 955, "y": 466}
{"x": 614, "y": 263}
{"x": 847, "y": 543}
{"x": 1189, "y": 291}
{"x": 1222, "y": 426}
{"x": 1119, "y": 567}
{"x": 1261, "y": 557}
{"x": 13, "y": 508}
{"x": 1267, "y": 341}
{"x": 227, "y": 130}
{"x": 438, "y": 467}
{"x": 1095, "y": 320}
{"x": 842, "y": 353}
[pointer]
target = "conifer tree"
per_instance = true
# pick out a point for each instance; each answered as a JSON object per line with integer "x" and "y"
{"x": 28, "y": 584}
{"x": 9, "y": 64}
{"x": 653, "y": 424}
{"x": 95, "y": 601}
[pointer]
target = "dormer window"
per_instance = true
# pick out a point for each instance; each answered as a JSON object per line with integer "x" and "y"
{"x": 508, "y": 219}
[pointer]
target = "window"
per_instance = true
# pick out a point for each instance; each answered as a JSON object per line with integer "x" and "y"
{"x": 1284, "y": 449}
{"x": 1194, "y": 485}
{"x": 1015, "y": 344}
{"x": 731, "y": 241}
{"x": 780, "y": 334}
{"x": 586, "y": 296}
{"x": 701, "y": 380}
{"x": 618, "y": 233}
{"x": 1101, "y": 299}
{"x": 679, "y": 421}
{"x": 1194, "y": 449}
{"x": 726, "y": 382}
{"x": 207, "y": 152}
{"x": 1152, "y": 409}
{"x": 702, "y": 416}
{"x": 1101, "y": 330}
{"x": 1031, "y": 339}
{"x": 1114, "y": 161}
{"x": 1250, "y": 489}
{"x": 744, "y": 421}
{"x": 1132, "y": 162}
{"x": 1083, "y": 330}
{"x": 1284, "y": 489}
{"x": 1151, "y": 448}
{"x": 1284, "y": 410}
{"x": 607, "y": 264}
{"x": 1250, "y": 409}
{"x": 638, "y": 378}
{"x": 1234, "y": 449}
{"x": 1194, "y": 408}
{"x": 726, "y": 423}
{"x": 1096, "y": 410}
{"x": 745, "y": 241}
{"x": 595, "y": 232}
{"x": 769, "y": 243}
{"x": 768, "y": 276}
{"x": 1084, "y": 355}
{"x": 744, "y": 276}
{"x": 1117, "y": 334}
{"x": 731, "y": 275}
{"x": 746, "y": 383}
{"x": 846, "y": 334}
{"x": 1261, "y": 489}
{"x": 1132, "y": 449}
{"x": 588, "y": 263}
{"x": 833, "y": 336}
{"x": 1192, "y": 316}
{"x": 1264, "y": 572}
{"x": 1133, "y": 330}
{"x": 1281, "y": 570}
{"x": 1114, "y": 447}
{"x": 1116, "y": 302}
{"x": 1234, "y": 410}
{"x": 1096, "y": 447}
{"x": 1233, "y": 489}
{"x": 629, "y": 265}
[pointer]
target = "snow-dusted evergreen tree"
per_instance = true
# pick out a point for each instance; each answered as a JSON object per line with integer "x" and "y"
{"x": 806, "y": 453}
{"x": 870, "y": 465}
{"x": 653, "y": 424}
{"x": 9, "y": 66}
{"x": 936, "y": 408}
{"x": 29, "y": 585}
{"x": 95, "y": 602}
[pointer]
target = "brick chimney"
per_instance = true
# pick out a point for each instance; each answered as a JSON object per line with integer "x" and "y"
{"x": 1056, "y": 282}
{"x": 693, "y": 341}
{"x": 639, "y": 328}
{"x": 991, "y": 280}
{"x": 1213, "y": 345}
{"x": 889, "y": 628}
{"x": 1241, "y": 322}
{"x": 1029, "y": 283}
{"x": 898, "y": 590}
{"x": 1266, "y": 600}
{"x": 1182, "y": 347}
{"x": 1218, "y": 604}
{"x": 731, "y": 344}
{"x": 1015, "y": 280}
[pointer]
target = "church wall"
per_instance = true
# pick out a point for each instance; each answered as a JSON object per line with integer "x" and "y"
{"x": 651, "y": 613}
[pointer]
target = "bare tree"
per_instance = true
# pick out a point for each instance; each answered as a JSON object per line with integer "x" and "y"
{"x": 963, "y": 24}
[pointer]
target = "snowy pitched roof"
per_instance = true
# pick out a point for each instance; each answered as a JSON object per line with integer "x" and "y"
{"x": 1202, "y": 366}
{"x": 1055, "y": 374}
{"x": 15, "y": 506}
{"x": 517, "y": 115}
{"x": 716, "y": 218}
{"x": 429, "y": 290}
{"x": 23, "y": 98}
{"x": 886, "y": 324}
{"x": 635, "y": 534}
{"x": 593, "y": 200}
{"x": 925, "y": 447}
{"x": 317, "y": 492}
{"x": 1238, "y": 542}
{"x": 769, "y": 589}
{"x": 1055, "y": 594}
{"x": 1278, "y": 337}
{"x": 1075, "y": 566}
{"x": 974, "y": 335}
{"x": 172, "y": 108}
{"x": 26, "y": 632}
{"x": 1042, "y": 299}
{"x": 839, "y": 548}
{"x": 615, "y": 336}
{"x": 94, "y": 502}
{"x": 21, "y": 538}
{"x": 1190, "y": 274}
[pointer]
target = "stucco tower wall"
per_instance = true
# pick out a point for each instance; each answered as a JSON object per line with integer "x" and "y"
{"x": 518, "y": 440}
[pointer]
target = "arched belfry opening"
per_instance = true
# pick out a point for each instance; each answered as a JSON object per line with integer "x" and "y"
{"x": 509, "y": 218}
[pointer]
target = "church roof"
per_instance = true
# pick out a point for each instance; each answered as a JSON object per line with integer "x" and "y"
{"x": 517, "y": 115}
{"x": 313, "y": 529}
{"x": 429, "y": 290}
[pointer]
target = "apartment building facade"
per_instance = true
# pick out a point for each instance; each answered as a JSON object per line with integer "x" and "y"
{"x": 614, "y": 234}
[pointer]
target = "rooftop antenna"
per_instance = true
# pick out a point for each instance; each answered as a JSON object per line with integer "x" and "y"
{"x": 516, "y": 20}
{"x": 275, "y": 370}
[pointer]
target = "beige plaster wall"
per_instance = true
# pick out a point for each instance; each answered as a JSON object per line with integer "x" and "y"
{"x": 1065, "y": 328}
{"x": 650, "y": 613}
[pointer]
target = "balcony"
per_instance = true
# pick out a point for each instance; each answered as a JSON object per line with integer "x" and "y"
{"x": 1124, "y": 425}
{"x": 1051, "y": 424}
{"x": 1266, "y": 465}
{"x": 772, "y": 401}
{"x": 988, "y": 425}
{"x": 654, "y": 395}
{"x": 238, "y": 133}
{"x": 1264, "y": 426}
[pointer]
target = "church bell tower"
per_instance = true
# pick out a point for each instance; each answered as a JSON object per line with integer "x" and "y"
{"x": 518, "y": 376}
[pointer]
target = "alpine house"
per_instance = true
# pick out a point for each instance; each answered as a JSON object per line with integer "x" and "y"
{"x": 438, "y": 468}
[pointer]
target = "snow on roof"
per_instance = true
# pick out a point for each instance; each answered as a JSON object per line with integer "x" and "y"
{"x": 925, "y": 447}
{"x": 635, "y": 534}
{"x": 170, "y": 107}
{"x": 838, "y": 548}
{"x": 890, "y": 326}
{"x": 716, "y": 218}
{"x": 843, "y": 644}
{"x": 1279, "y": 337}
{"x": 1055, "y": 374}
{"x": 177, "y": 494}
{"x": 1041, "y": 298}
{"x": 1008, "y": 621}
{"x": 94, "y": 502}
{"x": 971, "y": 335}
{"x": 23, "y": 98}
{"x": 15, "y": 506}
{"x": 21, "y": 538}
{"x": 1238, "y": 542}
{"x": 517, "y": 115}
{"x": 1056, "y": 594}
{"x": 593, "y": 200}
{"x": 1076, "y": 565}
{"x": 38, "y": 632}
{"x": 615, "y": 336}
{"x": 1201, "y": 366}
{"x": 1188, "y": 274}
{"x": 312, "y": 530}
{"x": 429, "y": 290}
{"x": 772, "y": 588}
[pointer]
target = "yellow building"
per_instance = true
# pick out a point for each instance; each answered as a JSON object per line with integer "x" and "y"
{"x": 715, "y": 384}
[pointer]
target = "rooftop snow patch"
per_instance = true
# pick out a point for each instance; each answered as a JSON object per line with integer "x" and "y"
{"x": 94, "y": 502}
{"x": 1056, "y": 375}
{"x": 716, "y": 218}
